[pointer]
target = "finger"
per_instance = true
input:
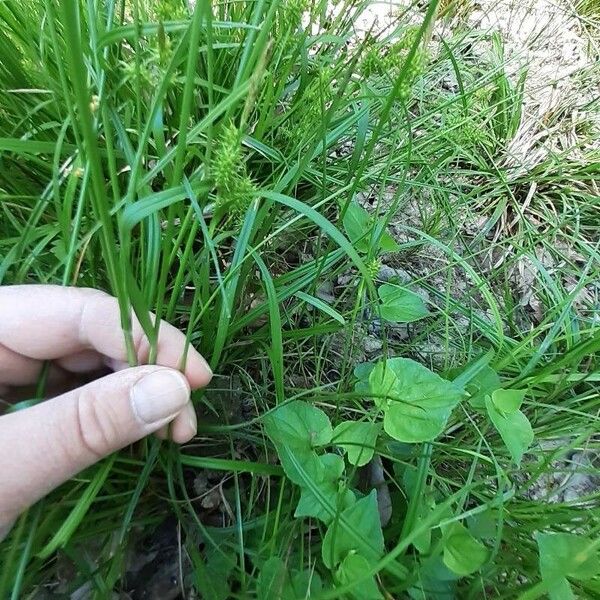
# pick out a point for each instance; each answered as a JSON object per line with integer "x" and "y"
{"x": 49, "y": 322}
{"x": 16, "y": 369}
{"x": 82, "y": 362}
{"x": 182, "y": 429}
{"x": 162, "y": 433}
{"x": 184, "y": 426}
{"x": 42, "y": 446}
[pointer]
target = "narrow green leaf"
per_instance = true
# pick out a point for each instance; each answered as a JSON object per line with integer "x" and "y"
{"x": 322, "y": 306}
{"x": 235, "y": 466}
{"x": 77, "y": 514}
{"x": 327, "y": 227}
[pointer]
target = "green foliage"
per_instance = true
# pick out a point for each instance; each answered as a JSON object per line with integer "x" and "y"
{"x": 351, "y": 572}
{"x": 512, "y": 425}
{"x": 360, "y": 227}
{"x": 565, "y": 556}
{"x": 354, "y": 526}
{"x": 358, "y": 531}
{"x": 463, "y": 554}
{"x": 327, "y": 492}
{"x": 205, "y": 166}
{"x": 275, "y": 582}
{"x": 300, "y": 426}
{"x": 296, "y": 429}
{"x": 390, "y": 59}
{"x": 400, "y": 305}
{"x": 357, "y": 440}
{"x": 416, "y": 402}
{"x": 485, "y": 382}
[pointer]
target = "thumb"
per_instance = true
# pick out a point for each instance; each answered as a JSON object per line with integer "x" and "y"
{"x": 43, "y": 446}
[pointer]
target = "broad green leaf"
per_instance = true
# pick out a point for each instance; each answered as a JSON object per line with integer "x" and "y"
{"x": 359, "y": 225}
{"x": 302, "y": 585}
{"x": 400, "y": 305}
{"x": 508, "y": 401}
{"x": 435, "y": 581}
{"x": 383, "y": 384}
{"x": 213, "y": 576}
{"x": 295, "y": 429}
{"x": 560, "y": 589}
{"x": 567, "y": 555}
{"x": 352, "y": 569}
{"x": 299, "y": 426}
{"x": 271, "y": 580}
{"x": 514, "y": 429}
{"x": 387, "y": 243}
{"x": 299, "y": 464}
{"x": 483, "y": 384}
{"x": 413, "y": 424}
{"x": 422, "y": 542}
{"x": 364, "y": 536}
{"x": 483, "y": 525}
{"x": 362, "y": 372}
{"x": 418, "y": 402}
{"x": 463, "y": 554}
{"x": 331, "y": 498}
{"x": 357, "y": 439}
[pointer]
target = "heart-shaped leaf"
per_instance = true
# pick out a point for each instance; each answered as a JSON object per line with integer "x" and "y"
{"x": 359, "y": 225}
{"x": 400, "y": 305}
{"x": 463, "y": 554}
{"x": 565, "y": 555}
{"x": 351, "y": 571}
{"x": 568, "y": 555}
{"x": 483, "y": 384}
{"x": 514, "y": 429}
{"x": 357, "y": 530}
{"x": 508, "y": 401}
{"x": 416, "y": 401}
{"x": 295, "y": 429}
{"x": 302, "y": 585}
{"x": 299, "y": 425}
{"x": 272, "y": 579}
{"x": 357, "y": 440}
{"x": 325, "y": 498}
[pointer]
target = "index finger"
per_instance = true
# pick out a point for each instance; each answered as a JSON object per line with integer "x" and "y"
{"x": 47, "y": 322}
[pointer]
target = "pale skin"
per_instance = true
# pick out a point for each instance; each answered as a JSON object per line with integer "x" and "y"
{"x": 79, "y": 331}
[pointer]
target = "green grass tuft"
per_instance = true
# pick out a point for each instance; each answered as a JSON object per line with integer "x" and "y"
{"x": 253, "y": 172}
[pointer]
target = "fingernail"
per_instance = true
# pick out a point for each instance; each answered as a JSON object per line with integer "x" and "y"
{"x": 159, "y": 395}
{"x": 193, "y": 420}
{"x": 207, "y": 366}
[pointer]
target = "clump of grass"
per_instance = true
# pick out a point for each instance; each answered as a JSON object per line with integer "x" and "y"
{"x": 206, "y": 164}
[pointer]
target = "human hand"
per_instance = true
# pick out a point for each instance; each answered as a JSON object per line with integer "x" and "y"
{"x": 79, "y": 331}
